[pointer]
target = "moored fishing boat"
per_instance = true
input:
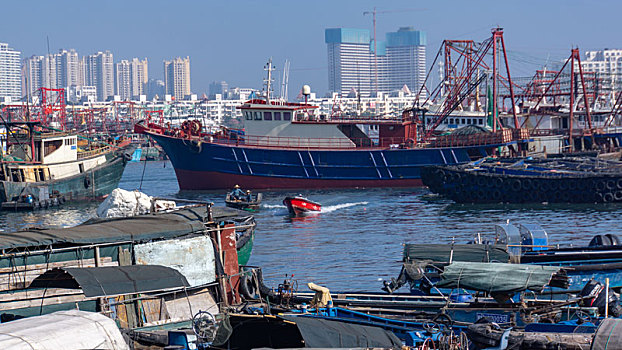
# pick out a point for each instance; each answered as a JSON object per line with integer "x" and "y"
{"x": 43, "y": 168}
{"x": 289, "y": 145}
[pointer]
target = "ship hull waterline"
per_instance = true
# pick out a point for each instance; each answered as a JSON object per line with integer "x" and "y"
{"x": 212, "y": 166}
{"x": 101, "y": 181}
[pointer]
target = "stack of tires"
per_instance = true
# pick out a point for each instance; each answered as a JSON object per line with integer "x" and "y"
{"x": 472, "y": 186}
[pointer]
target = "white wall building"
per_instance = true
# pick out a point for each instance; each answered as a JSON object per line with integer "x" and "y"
{"x": 354, "y": 66}
{"x": 10, "y": 74}
{"x": 99, "y": 72}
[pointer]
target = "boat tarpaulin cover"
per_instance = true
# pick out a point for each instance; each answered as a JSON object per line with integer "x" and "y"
{"x": 112, "y": 280}
{"x": 68, "y": 330}
{"x": 322, "y": 333}
{"x": 496, "y": 277}
{"x": 608, "y": 335}
{"x": 137, "y": 228}
{"x": 456, "y": 252}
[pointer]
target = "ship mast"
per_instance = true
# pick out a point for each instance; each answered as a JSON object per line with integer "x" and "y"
{"x": 268, "y": 82}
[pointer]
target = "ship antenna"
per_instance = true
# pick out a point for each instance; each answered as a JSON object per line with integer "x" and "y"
{"x": 269, "y": 68}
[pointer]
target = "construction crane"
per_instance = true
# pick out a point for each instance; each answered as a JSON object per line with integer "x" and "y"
{"x": 374, "y": 12}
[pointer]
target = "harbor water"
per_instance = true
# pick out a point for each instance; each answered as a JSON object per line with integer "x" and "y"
{"x": 357, "y": 239}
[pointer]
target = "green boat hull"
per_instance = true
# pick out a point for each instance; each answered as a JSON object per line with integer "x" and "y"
{"x": 245, "y": 250}
{"x": 94, "y": 183}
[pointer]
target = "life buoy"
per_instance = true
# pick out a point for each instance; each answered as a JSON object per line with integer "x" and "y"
{"x": 87, "y": 181}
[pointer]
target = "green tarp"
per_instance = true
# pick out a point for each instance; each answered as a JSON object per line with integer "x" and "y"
{"x": 456, "y": 252}
{"x": 496, "y": 277}
{"x": 131, "y": 229}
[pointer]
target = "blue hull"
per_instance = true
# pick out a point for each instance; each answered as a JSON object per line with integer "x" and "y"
{"x": 207, "y": 166}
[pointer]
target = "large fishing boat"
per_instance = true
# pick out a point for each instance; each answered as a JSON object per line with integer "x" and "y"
{"x": 41, "y": 168}
{"x": 287, "y": 145}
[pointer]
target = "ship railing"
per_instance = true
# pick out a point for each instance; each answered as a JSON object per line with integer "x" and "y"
{"x": 313, "y": 143}
{"x": 94, "y": 152}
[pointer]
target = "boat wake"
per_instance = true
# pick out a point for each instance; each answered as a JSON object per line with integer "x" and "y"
{"x": 331, "y": 208}
{"x": 273, "y": 206}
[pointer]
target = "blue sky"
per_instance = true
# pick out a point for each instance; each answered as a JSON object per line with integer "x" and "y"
{"x": 231, "y": 40}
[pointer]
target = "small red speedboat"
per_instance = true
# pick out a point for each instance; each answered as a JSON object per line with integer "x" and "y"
{"x": 300, "y": 205}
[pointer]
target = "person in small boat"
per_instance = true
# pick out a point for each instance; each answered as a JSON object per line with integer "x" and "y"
{"x": 237, "y": 193}
{"x": 249, "y": 196}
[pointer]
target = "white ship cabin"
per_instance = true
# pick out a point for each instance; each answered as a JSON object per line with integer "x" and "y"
{"x": 48, "y": 149}
{"x": 54, "y": 156}
{"x": 285, "y": 124}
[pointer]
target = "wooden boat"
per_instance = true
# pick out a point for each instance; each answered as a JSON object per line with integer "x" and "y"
{"x": 40, "y": 166}
{"x": 524, "y": 180}
{"x": 244, "y": 203}
{"x": 299, "y": 205}
{"x": 181, "y": 239}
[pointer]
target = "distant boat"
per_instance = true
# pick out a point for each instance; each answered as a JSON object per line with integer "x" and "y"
{"x": 244, "y": 203}
{"x": 42, "y": 168}
{"x": 300, "y": 205}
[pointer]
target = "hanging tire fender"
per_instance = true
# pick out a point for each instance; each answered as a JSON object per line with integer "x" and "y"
{"x": 87, "y": 181}
{"x": 248, "y": 286}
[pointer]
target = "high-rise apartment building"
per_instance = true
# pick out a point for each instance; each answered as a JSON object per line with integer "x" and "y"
{"x": 218, "y": 87}
{"x": 354, "y": 66}
{"x": 140, "y": 76}
{"x": 349, "y": 60}
{"x": 10, "y": 73}
{"x": 38, "y": 72}
{"x": 123, "y": 79}
{"x": 99, "y": 72}
{"x": 67, "y": 69}
{"x": 177, "y": 77}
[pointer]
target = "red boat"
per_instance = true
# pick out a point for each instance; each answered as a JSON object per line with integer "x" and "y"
{"x": 300, "y": 205}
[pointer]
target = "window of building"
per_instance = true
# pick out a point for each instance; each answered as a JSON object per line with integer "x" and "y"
{"x": 287, "y": 115}
{"x": 267, "y": 115}
{"x": 277, "y": 115}
{"x": 257, "y": 115}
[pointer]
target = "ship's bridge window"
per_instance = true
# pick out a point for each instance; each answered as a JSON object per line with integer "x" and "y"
{"x": 248, "y": 115}
{"x": 267, "y": 115}
{"x": 51, "y": 146}
{"x": 257, "y": 115}
{"x": 287, "y": 115}
{"x": 480, "y": 122}
{"x": 277, "y": 115}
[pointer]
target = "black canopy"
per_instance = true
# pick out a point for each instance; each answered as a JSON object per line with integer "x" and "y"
{"x": 136, "y": 229}
{"x": 112, "y": 280}
{"x": 322, "y": 333}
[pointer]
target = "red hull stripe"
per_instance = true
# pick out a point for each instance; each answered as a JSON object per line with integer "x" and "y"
{"x": 210, "y": 180}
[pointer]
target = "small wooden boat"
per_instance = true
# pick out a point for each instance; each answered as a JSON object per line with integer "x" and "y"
{"x": 299, "y": 205}
{"x": 244, "y": 203}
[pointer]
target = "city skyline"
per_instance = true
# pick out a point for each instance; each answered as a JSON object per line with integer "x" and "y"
{"x": 232, "y": 42}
